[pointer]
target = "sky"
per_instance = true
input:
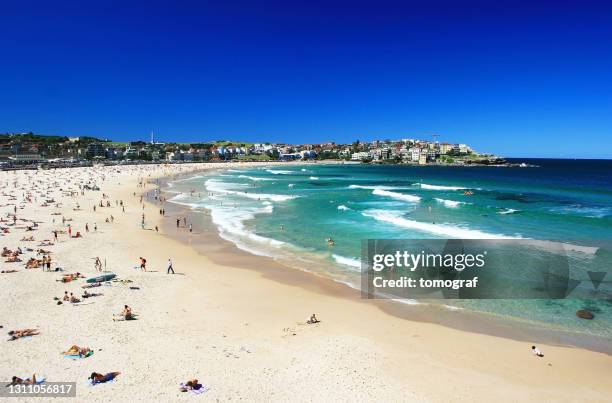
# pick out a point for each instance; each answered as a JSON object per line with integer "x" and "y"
{"x": 515, "y": 78}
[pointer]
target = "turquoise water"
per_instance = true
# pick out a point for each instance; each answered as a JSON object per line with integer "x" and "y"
{"x": 287, "y": 212}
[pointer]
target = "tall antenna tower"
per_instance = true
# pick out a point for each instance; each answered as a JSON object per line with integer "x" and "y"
{"x": 151, "y": 137}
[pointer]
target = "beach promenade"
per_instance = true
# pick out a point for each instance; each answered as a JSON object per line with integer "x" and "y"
{"x": 240, "y": 331}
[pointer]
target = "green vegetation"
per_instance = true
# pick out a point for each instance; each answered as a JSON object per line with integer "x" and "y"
{"x": 34, "y": 138}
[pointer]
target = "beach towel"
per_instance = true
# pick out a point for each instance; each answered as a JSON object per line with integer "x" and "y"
{"x": 77, "y": 356}
{"x": 195, "y": 391}
{"x": 91, "y": 383}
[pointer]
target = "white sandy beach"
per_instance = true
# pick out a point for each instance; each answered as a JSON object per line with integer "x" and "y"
{"x": 235, "y": 329}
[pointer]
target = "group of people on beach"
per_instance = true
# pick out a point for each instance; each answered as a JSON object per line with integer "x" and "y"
{"x": 70, "y": 227}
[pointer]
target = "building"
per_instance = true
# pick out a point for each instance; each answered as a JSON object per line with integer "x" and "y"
{"x": 423, "y": 157}
{"x": 26, "y": 158}
{"x": 95, "y": 150}
{"x": 445, "y": 148}
{"x": 360, "y": 156}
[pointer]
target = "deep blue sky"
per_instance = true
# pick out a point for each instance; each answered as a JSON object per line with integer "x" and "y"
{"x": 515, "y": 78}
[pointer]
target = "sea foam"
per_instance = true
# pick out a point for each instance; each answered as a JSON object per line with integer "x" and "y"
{"x": 446, "y": 230}
{"x": 353, "y": 263}
{"x": 397, "y": 196}
{"x": 439, "y": 187}
{"x": 254, "y": 178}
{"x": 279, "y": 172}
{"x": 213, "y": 185}
{"x": 450, "y": 203}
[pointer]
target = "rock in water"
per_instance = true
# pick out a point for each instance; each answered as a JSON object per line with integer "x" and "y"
{"x": 584, "y": 314}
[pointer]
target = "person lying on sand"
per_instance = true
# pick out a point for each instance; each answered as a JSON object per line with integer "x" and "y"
{"x": 18, "y": 381}
{"x": 99, "y": 378}
{"x": 66, "y": 278}
{"x": 191, "y": 384}
{"x": 80, "y": 351}
{"x": 17, "y": 334}
{"x": 90, "y": 294}
{"x": 27, "y": 238}
{"x": 74, "y": 299}
{"x": 536, "y": 351}
{"x": 33, "y": 263}
{"x": 313, "y": 319}
{"x": 8, "y": 271}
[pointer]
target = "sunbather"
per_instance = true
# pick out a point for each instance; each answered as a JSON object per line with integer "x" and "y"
{"x": 99, "y": 378}
{"x": 17, "y": 334}
{"x": 191, "y": 384}
{"x": 33, "y": 263}
{"x": 66, "y": 278}
{"x": 80, "y": 351}
{"x": 18, "y": 381}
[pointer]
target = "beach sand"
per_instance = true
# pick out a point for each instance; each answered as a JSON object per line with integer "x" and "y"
{"x": 235, "y": 326}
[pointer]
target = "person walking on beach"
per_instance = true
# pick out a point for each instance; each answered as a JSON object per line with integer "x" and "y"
{"x": 190, "y": 228}
{"x": 170, "y": 269}
{"x": 536, "y": 351}
{"x": 55, "y": 235}
{"x": 143, "y": 264}
{"x": 178, "y": 221}
{"x": 98, "y": 264}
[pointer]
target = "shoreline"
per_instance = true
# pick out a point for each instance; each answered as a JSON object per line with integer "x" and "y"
{"x": 479, "y": 322}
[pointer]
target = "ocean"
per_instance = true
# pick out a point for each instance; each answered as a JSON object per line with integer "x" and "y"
{"x": 288, "y": 211}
